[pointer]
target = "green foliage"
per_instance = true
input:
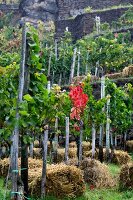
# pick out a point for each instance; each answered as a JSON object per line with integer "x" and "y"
{"x": 5, "y": 19}
{"x": 9, "y": 58}
{"x": 8, "y": 93}
{"x": 127, "y": 17}
{"x": 120, "y": 108}
{"x": 112, "y": 54}
{"x": 94, "y": 113}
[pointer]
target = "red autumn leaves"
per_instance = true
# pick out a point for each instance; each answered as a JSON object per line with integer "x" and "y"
{"x": 79, "y": 100}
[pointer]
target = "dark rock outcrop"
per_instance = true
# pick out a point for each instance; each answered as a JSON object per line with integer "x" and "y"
{"x": 44, "y": 10}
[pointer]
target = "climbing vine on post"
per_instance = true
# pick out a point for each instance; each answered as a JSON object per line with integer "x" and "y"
{"x": 79, "y": 101}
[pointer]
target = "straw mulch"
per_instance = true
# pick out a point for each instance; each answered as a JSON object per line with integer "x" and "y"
{"x": 4, "y": 166}
{"x": 34, "y": 174}
{"x": 35, "y": 163}
{"x": 62, "y": 181}
{"x": 88, "y": 154}
{"x": 114, "y": 76}
{"x": 86, "y": 146}
{"x": 129, "y": 145}
{"x": 37, "y": 153}
{"x": 61, "y": 154}
{"x": 127, "y": 71}
{"x": 36, "y": 144}
{"x": 126, "y": 176}
{"x": 72, "y": 145}
{"x": 73, "y": 161}
{"x": 121, "y": 157}
{"x": 96, "y": 173}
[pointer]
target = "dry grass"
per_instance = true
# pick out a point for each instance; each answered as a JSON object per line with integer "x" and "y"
{"x": 129, "y": 145}
{"x": 62, "y": 181}
{"x": 121, "y": 157}
{"x": 86, "y": 146}
{"x": 127, "y": 71}
{"x": 96, "y": 174}
{"x": 114, "y": 76}
{"x": 61, "y": 154}
{"x": 4, "y": 165}
{"x": 72, "y": 145}
{"x": 88, "y": 154}
{"x": 37, "y": 153}
{"x": 126, "y": 176}
{"x": 36, "y": 144}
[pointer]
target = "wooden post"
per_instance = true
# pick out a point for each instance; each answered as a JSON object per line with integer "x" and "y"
{"x": 115, "y": 141}
{"x": 100, "y": 156}
{"x": 93, "y": 140}
{"x": 56, "y": 50}
{"x": 24, "y": 166}
{"x": 80, "y": 142}
{"x": 125, "y": 139}
{"x": 48, "y": 86}
{"x": 49, "y": 64}
{"x": 45, "y": 147}
{"x": 86, "y": 67}
{"x": 96, "y": 69}
{"x": 108, "y": 130}
{"x": 60, "y": 79}
{"x": 73, "y": 65}
{"x": 78, "y": 69}
{"x": 15, "y": 135}
{"x": 53, "y": 76}
{"x": 55, "y": 144}
{"x": 111, "y": 138}
{"x": 67, "y": 140}
{"x": 31, "y": 149}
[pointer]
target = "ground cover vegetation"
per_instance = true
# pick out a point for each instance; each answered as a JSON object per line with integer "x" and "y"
{"x": 42, "y": 109}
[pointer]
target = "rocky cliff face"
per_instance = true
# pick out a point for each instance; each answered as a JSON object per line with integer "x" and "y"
{"x": 44, "y": 10}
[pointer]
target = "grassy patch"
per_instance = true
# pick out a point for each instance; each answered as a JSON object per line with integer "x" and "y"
{"x": 114, "y": 169}
{"x": 108, "y": 194}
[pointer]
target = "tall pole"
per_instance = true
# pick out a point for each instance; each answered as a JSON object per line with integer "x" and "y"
{"x": 56, "y": 50}
{"x": 67, "y": 140}
{"x": 78, "y": 69}
{"x": 101, "y": 125}
{"x": 93, "y": 140}
{"x": 49, "y": 64}
{"x": 55, "y": 146}
{"x": 108, "y": 130}
{"x": 73, "y": 65}
{"x": 15, "y": 135}
{"x": 45, "y": 147}
{"x": 80, "y": 142}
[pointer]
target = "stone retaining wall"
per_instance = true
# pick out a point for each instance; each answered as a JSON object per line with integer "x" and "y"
{"x": 66, "y": 7}
{"x": 83, "y": 24}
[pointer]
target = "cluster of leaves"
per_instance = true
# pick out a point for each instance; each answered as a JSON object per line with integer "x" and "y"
{"x": 10, "y": 41}
{"x": 112, "y": 53}
{"x": 8, "y": 94}
{"x": 120, "y": 107}
{"x": 79, "y": 100}
{"x": 39, "y": 107}
{"x": 94, "y": 112}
